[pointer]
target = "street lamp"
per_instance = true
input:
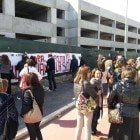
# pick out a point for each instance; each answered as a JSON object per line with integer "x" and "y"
{"x": 125, "y": 37}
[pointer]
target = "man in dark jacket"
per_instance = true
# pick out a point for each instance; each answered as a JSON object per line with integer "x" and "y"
{"x": 73, "y": 66}
{"x": 21, "y": 63}
{"x": 51, "y": 72}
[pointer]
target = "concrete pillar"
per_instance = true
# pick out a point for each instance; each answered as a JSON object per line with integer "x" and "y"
{"x": 52, "y": 18}
{"x": 99, "y": 27}
{"x": 114, "y": 24}
{"x": 99, "y": 18}
{"x": 53, "y": 40}
{"x": 8, "y": 7}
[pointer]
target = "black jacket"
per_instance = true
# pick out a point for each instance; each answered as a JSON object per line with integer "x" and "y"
{"x": 27, "y": 102}
{"x": 128, "y": 94}
{"x": 74, "y": 65}
{"x": 50, "y": 64}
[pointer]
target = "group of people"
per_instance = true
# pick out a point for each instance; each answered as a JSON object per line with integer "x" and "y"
{"x": 31, "y": 92}
{"x": 117, "y": 81}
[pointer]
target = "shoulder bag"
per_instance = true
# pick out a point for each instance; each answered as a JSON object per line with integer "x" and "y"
{"x": 85, "y": 105}
{"x": 34, "y": 115}
{"x": 115, "y": 115}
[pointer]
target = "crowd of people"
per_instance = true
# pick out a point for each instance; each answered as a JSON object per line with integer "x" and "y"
{"x": 115, "y": 81}
{"x": 31, "y": 93}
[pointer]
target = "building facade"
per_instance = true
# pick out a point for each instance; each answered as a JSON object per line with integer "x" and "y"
{"x": 71, "y": 22}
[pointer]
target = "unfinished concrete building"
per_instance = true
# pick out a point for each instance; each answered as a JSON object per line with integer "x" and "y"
{"x": 70, "y": 22}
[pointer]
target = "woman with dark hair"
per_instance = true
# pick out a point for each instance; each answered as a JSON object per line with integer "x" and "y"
{"x": 36, "y": 88}
{"x": 125, "y": 97}
{"x": 96, "y": 76}
{"x": 29, "y": 67}
{"x": 5, "y": 70}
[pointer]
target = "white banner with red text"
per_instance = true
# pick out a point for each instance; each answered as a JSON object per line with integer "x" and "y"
{"x": 62, "y": 61}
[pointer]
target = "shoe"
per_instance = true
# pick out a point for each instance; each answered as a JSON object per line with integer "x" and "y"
{"x": 49, "y": 90}
{"x": 93, "y": 133}
{"x": 45, "y": 88}
{"x": 73, "y": 99}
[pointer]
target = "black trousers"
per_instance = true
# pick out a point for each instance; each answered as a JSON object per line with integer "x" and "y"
{"x": 96, "y": 115}
{"x": 51, "y": 79}
{"x": 12, "y": 128}
{"x": 129, "y": 130}
{"x": 34, "y": 131}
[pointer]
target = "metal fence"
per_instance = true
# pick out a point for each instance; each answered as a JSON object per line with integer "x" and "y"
{"x": 21, "y": 46}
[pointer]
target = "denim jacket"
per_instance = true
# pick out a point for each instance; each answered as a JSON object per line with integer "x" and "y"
{"x": 128, "y": 94}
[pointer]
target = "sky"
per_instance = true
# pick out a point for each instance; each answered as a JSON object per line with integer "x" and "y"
{"x": 119, "y": 7}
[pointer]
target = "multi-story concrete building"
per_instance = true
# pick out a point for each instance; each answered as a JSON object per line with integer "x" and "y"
{"x": 71, "y": 22}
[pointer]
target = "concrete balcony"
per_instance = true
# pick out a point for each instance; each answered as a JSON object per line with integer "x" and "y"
{"x": 120, "y": 32}
{"x": 132, "y": 46}
{"x": 26, "y": 26}
{"x": 89, "y": 25}
{"x": 107, "y": 29}
{"x": 106, "y": 43}
{"x": 62, "y": 23}
{"x": 133, "y": 35}
{"x": 118, "y": 44}
{"x": 88, "y": 41}
{"x": 5, "y": 23}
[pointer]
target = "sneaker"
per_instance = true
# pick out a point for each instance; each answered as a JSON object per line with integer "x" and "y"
{"x": 50, "y": 90}
{"x": 73, "y": 99}
{"x": 46, "y": 88}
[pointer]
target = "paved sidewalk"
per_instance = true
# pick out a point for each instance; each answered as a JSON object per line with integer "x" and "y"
{"x": 63, "y": 128}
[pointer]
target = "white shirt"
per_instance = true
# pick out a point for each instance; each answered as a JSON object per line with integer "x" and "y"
{"x": 28, "y": 69}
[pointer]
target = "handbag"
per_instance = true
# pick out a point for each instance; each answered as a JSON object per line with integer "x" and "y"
{"x": 115, "y": 117}
{"x": 85, "y": 105}
{"x": 34, "y": 115}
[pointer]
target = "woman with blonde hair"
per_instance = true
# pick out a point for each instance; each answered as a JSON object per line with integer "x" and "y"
{"x": 125, "y": 97}
{"x": 85, "y": 103}
{"x": 8, "y": 113}
{"x": 77, "y": 82}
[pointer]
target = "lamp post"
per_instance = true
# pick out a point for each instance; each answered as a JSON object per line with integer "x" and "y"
{"x": 125, "y": 36}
